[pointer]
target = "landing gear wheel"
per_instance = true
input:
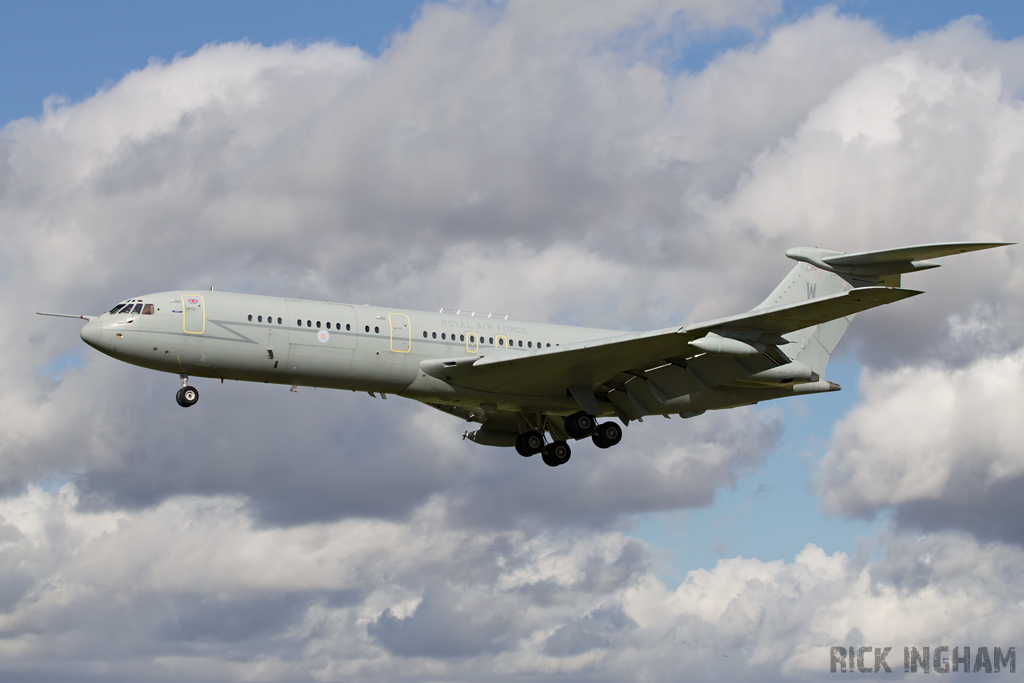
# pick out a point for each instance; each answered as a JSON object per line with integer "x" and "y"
{"x": 556, "y": 453}
{"x": 607, "y": 435}
{"x": 579, "y": 425}
{"x": 187, "y": 396}
{"x": 529, "y": 443}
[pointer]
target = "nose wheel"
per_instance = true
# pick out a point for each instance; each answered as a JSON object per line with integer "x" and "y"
{"x": 187, "y": 396}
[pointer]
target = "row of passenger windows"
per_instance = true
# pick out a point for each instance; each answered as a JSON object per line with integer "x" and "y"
{"x": 502, "y": 342}
{"x": 132, "y": 308}
{"x": 489, "y": 340}
{"x": 309, "y": 323}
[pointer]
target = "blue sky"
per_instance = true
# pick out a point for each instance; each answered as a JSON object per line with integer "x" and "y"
{"x": 71, "y": 49}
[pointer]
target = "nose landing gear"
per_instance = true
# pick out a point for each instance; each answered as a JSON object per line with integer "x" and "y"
{"x": 187, "y": 396}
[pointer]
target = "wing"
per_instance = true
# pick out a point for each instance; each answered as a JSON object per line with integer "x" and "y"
{"x": 553, "y": 371}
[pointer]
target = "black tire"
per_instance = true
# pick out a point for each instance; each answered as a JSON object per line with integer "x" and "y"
{"x": 177, "y": 397}
{"x": 607, "y": 435}
{"x": 556, "y": 453}
{"x": 521, "y": 447}
{"x": 579, "y": 425}
{"x": 534, "y": 442}
{"x": 189, "y": 396}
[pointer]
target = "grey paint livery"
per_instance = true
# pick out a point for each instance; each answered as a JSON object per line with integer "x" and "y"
{"x": 520, "y": 378}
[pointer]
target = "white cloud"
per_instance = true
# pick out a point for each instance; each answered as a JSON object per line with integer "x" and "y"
{"x": 940, "y": 445}
{"x": 197, "y": 581}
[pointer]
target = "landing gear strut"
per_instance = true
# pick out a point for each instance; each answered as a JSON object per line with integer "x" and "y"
{"x": 187, "y": 396}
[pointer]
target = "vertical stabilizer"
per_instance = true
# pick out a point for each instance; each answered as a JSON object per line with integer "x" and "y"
{"x": 811, "y": 346}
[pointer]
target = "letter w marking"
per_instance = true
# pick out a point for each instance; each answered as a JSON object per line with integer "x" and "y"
{"x": 812, "y": 289}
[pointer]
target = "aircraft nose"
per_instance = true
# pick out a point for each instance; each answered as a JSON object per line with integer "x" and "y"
{"x": 92, "y": 333}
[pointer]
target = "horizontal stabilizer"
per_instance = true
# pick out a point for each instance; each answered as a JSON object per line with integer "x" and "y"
{"x": 915, "y": 253}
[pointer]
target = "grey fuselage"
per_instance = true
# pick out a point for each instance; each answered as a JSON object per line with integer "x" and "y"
{"x": 287, "y": 341}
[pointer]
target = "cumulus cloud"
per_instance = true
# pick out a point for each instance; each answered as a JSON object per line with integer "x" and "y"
{"x": 939, "y": 446}
{"x": 196, "y": 580}
{"x": 542, "y": 160}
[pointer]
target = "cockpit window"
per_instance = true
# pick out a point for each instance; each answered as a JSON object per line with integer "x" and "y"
{"x": 115, "y": 309}
{"x": 137, "y": 310}
{"x": 147, "y": 309}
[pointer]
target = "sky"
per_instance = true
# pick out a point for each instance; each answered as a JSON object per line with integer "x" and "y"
{"x": 596, "y": 163}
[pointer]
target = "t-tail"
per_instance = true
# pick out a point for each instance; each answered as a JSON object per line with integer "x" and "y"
{"x": 821, "y": 272}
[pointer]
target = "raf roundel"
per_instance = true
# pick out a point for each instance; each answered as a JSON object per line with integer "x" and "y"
{"x": 322, "y": 336}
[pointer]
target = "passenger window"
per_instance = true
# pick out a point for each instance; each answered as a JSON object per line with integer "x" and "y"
{"x": 299, "y": 323}
{"x": 137, "y": 309}
{"x": 348, "y": 327}
{"x": 442, "y": 335}
{"x": 491, "y": 340}
{"x": 434, "y": 335}
{"x": 424, "y": 334}
{"x": 148, "y": 309}
{"x": 318, "y": 324}
{"x": 250, "y": 318}
{"x": 529, "y": 345}
{"x": 328, "y": 326}
{"x": 377, "y": 330}
{"x": 549, "y": 346}
{"x": 309, "y": 323}
{"x": 367, "y": 328}
{"x": 462, "y": 337}
{"x": 278, "y": 321}
{"x": 472, "y": 339}
{"x": 259, "y": 318}
{"x": 520, "y": 343}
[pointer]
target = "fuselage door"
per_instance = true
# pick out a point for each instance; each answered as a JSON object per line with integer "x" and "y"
{"x": 193, "y": 310}
{"x": 401, "y": 332}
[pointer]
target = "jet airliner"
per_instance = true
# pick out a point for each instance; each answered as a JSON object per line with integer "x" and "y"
{"x": 529, "y": 385}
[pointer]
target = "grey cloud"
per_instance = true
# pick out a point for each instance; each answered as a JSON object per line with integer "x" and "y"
{"x": 601, "y": 628}
{"x": 445, "y": 624}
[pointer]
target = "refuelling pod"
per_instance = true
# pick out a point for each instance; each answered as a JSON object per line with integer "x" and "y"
{"x": 790, "y": 373}
{"x": 492, "y": 437}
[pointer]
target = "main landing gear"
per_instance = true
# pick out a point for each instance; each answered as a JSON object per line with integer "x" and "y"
{"x": 187, "y": 396}
{"x": 578, "y": 426}
{"x": 553, "y": 454}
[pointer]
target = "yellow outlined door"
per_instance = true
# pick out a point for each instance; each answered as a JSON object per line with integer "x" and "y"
{"x": 501, "y": 341}
{"x": 401, "y": 332}
{"x": 472, "y": 342}
{"x": 193, "y": 311}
